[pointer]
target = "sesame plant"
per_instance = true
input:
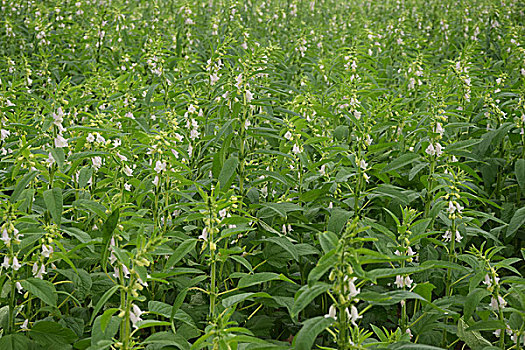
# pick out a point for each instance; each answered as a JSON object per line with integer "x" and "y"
{"x": 262, "y": 174}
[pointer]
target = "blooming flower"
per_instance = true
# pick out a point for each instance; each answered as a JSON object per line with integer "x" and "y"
{"x": 403, "y": 281}
{"x": 156, "y": 180}
{"x": 25, "y": 324}
{"x": 160, "y": 166}
{"x": 204, "y": 234}
{"x": 97, "y": 162}
{"x": 332, "y": 312}
{"x": 46, "y": 252}
{"x": 38, "y": 271}
{"x": 5, "y": 237}
{"x": 496, "y": 304}
{"x": 354, "y": 315}
{"x": 134, "y": 315}
{"x": 296, "y": 149}
{"x": 249, "y": 96}
{"x": 4, "y": 134}
{"x": 60, "y": 141}
{"x": 6, "y": 263}
{"x": 288, "y": 135}
{"x": 128, "y": 171}
{"x": 90, "y": 138}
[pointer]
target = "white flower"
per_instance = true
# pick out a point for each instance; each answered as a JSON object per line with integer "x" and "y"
{"x": 214, "y": 78}
{"x": 296, "y": 149}
{"x": 46, "y": 252}
{"x": 354, "y": 315}
{"x": 439, "y": 129}
{"x": 403, "y": 281}
{"x": 194, "y": 133}
{"x": 288, "y": 135}
{"x": 97, "y": 162}
{"x": 125, "y": 271}
{"x": 100, "y": 138}
{"x": 4, "y": 134}
{"x": 451, "y": 207}
{"x": 60, "y": 141}
{"x": 134, "y": 315}
{"x": 368, "y": 140}
{"x": 399, "y": 281}
{"x": 6, "y": 263}
{"x": 90, "y": 138}
{"x": 19, "y": 287}
{"x": 365, "y": 175}
{"x": 362, "y": 164}
{"x": 38, "y": 271}
{"x": 249, "y": 96}
{"x": 409, "y": 332}
{"x": 458, "y": 236}
{"x": 192, "y": 109}
{"x": 25, "y": 324}
{"x": 50, "y": 160}
{"x": 127, "y": 187}
{"x": 16, "y": 265}
{"x": 159, "y": 166}
{"x": 156, "y": 180}
{"x": 222, "y": 213}
{"x": 5, "y": 237}
{"x": 332, "y": 312}
{"x": 430, "y": 150}
{"x": 487, "y": 281}
{"x": 496, "y": 304}
{"x": 130, "y": 115}
{"x": 128, "y": 171}
{"x": 439, "y": 150}
{"x": 459, "y": 208}
{"x": 204, "y": 234}
{"x": 352, "y": 290}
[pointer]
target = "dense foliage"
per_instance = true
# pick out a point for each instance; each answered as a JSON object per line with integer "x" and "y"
{"x": 262, "y": 174}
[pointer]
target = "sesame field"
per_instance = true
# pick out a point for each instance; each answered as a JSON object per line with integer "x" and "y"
{"x": 262, "y": 174}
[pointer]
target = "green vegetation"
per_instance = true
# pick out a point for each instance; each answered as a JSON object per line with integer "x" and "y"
{"x": 262, "y": 174}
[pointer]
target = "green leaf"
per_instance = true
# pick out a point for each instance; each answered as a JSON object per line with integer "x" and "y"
{"x": 488, "y": 325}
{"x": 400, "y": 162}
{"x": 169, "y": 339}
{"x": 473, "y": 299}
{"x": 325, "y": 263}
{"x": 227, "y": 172}
{"x": 516, "y": 222}
{"x": 425, "y": 290}
{"x": 328, "y": 241}
{"x": 42, "y": 289}
{"x": 102, "y": 301}
{"x": 22, "y": 184}
{"x": 107, "y": 232}
{"x": 234, "y": 299}
{"x": 14, "y": 342}
{"x": 473, "y": 339}
{"x": 53, "y": 200}
{"x": 285, "y": 243}
{"x": 519, "y": 168}
{"x": 257, "y": 278}
{"x": 184, "y": 248}
{"x": 337, "y": 221}
{"x": 106, "y": 318}
{"x": 305, "y": 338}
{"x": 98, "y": 336}
{"x": 51, "y": 333}
{"x": 305, "y": 295}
